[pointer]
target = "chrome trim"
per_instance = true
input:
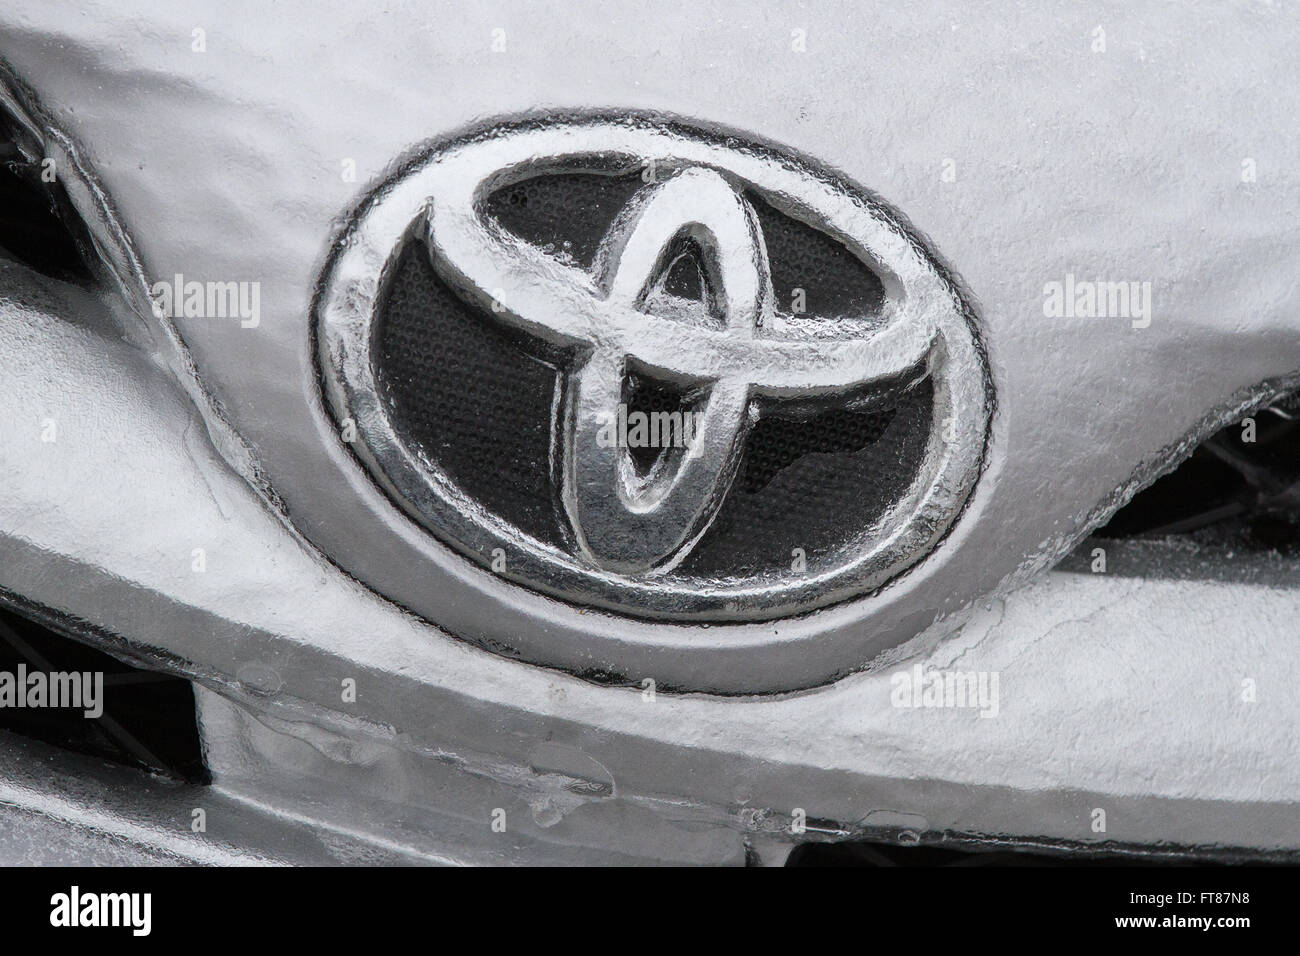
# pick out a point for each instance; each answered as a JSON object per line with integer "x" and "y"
{"x": 925, "y": 326}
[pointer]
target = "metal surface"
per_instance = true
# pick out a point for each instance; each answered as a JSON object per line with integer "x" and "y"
{"x": 1107, "y": 701}
{"x": 1118, "y": 693}
{"x": 62, "y": 810}
{"x": 1089, "y": 408}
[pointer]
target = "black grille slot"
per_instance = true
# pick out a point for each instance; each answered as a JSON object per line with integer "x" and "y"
{"x": 37, "y": 226}
{"x": 148, "y": 719}
{"x": 975, "y": 852}
{"x": 1230, "y": 491}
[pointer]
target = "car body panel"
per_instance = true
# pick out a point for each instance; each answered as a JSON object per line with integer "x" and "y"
{"x": 1123, "y": 164}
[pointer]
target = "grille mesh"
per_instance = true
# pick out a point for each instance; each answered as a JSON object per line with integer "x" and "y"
{"x": 468, "y": 396}
{"x": 566, "y": 213}
{"x": 834, "y": 282}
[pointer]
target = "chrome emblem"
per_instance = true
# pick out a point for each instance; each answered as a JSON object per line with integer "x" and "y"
{"x": 736, "y": 350}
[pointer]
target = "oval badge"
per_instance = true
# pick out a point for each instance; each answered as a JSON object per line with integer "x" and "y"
{"x": 642, "y": 367}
